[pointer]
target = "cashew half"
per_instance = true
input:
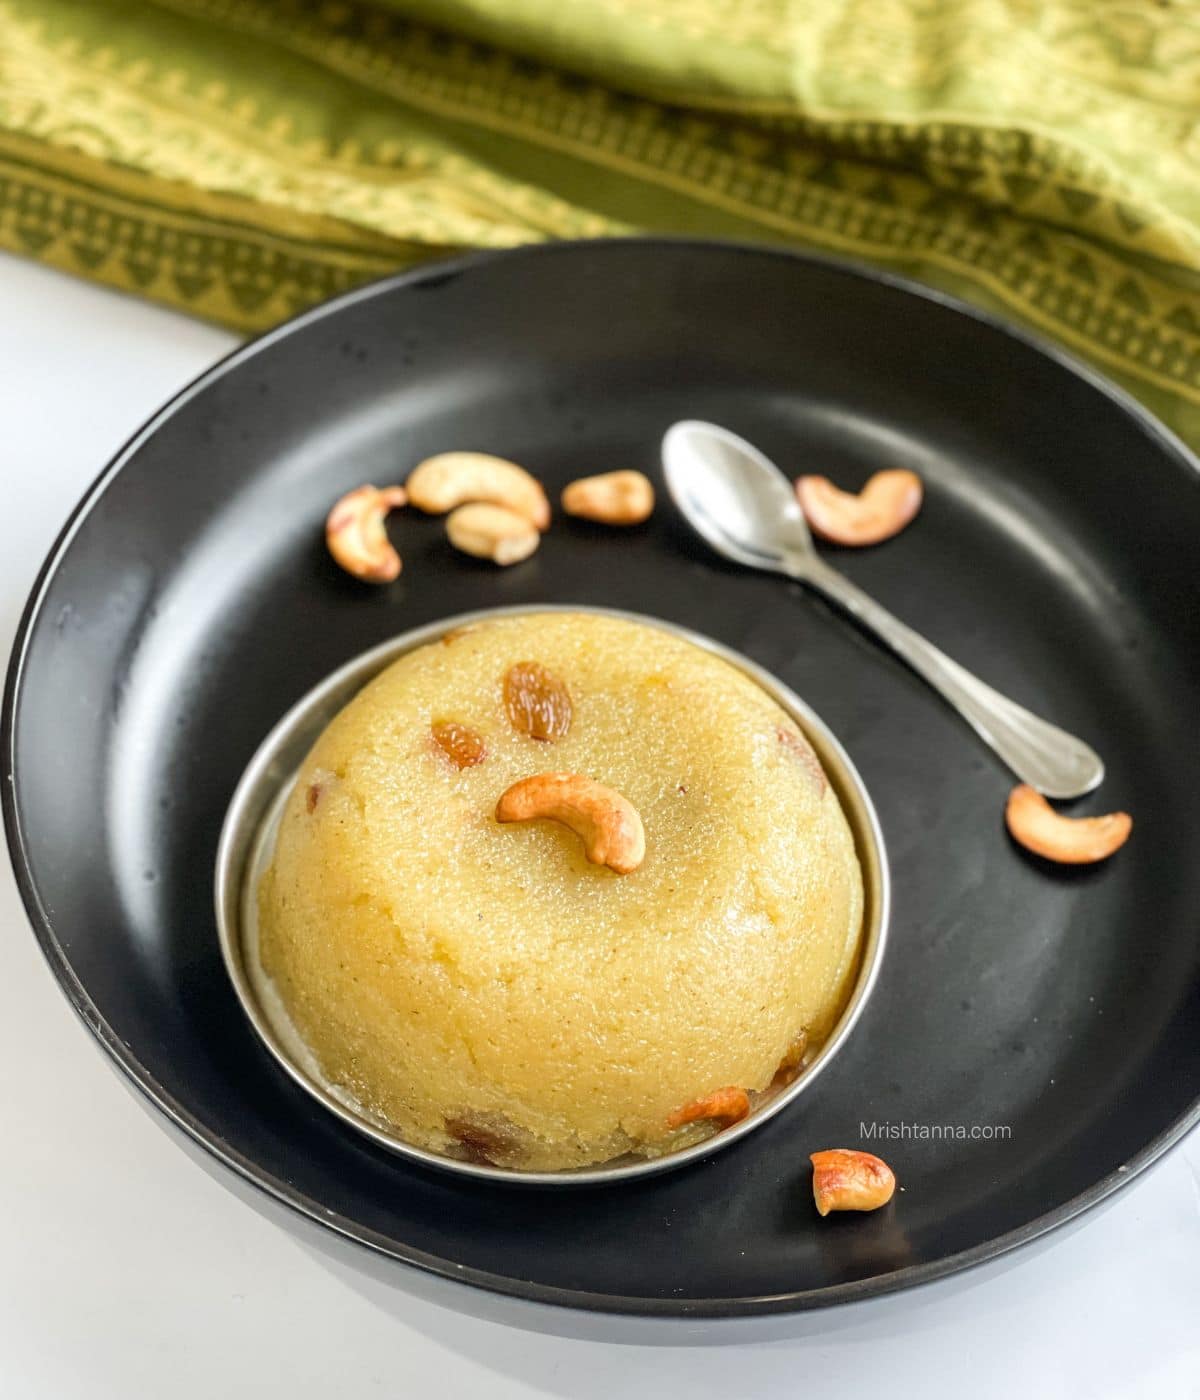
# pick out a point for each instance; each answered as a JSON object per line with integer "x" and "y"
{"x": 613, "y": 498}
{"x": 1034, "y": 824}
{"x": 492, "y": 532}
{"x": 355, "y": 535}
{"x": 881, "y": 509}
{"x": 607, "y": 823}
{"x": 451, "y": 479}
{"x": 844, "y": 1179}
{"x": 725, "y": 1106}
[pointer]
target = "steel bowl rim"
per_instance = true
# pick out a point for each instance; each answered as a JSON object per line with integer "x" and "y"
{"x": 247, "y": 813}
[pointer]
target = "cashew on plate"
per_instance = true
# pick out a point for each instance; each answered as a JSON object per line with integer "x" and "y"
{"x": 885, "y": 505}
{"x": 613, "y": 498}
{"x": 1034, "y": 824}
{"x": 844, "y": 1179}
{"x": 607, "y": 823}
{"x": 355, "y": 534}
{"x": 451, "y": 479}
{"x": 492, "y": 532}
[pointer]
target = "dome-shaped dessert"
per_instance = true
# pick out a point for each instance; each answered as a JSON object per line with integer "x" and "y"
{"x": 485, "y": 990}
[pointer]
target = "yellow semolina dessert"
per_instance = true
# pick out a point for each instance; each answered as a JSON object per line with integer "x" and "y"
{"x": 484, "y": 989}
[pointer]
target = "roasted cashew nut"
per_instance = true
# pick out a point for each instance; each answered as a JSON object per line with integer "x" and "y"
{"x": 451, "y": 479}
{"x": 355, "y": 534}
{"x": 607, "y": 823}
{"x": 1034, "y": 824}
{"x": 725, "y": 1106}
{"x": 613, "y": 498}
{"x": 844, "y": 1179}
{"x": 881, "y": 509}
{"x": 492, "y": 532}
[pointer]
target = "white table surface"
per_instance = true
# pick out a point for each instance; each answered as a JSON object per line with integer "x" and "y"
{"x": 126, "y": 1270}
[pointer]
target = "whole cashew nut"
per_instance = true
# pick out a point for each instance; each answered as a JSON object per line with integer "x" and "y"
{"x": 607, "y": 823}
{"x": 492, "y": 532}
{"x": 881, "y": 509}
{"x": 844, "y": 1179}
{"x": 726, "y": 1106}
{"x": 451, "y": 479}
{"x": 613, "y": 498}
{"x": 355, "y": 535}
{"x": 1034, "y": 824}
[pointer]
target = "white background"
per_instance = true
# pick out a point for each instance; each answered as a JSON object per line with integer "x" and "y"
{"x": 126, "y": 1270}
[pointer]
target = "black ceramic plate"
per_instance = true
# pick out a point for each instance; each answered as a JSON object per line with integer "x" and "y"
{"x": 190, "y": 602}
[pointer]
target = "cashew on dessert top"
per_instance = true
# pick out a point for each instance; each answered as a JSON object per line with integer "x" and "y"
{"x": 570, "y": 887}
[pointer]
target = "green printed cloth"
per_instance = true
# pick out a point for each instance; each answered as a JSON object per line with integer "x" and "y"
{"x": 242, "y": 159}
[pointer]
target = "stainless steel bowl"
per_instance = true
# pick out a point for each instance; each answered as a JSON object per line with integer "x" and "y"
{"x": 247, "y": 843}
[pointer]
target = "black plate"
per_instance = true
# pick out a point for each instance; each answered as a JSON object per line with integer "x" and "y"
{"x": 190, "y": 601}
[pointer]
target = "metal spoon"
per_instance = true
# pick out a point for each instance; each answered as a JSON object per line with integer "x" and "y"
{"x": 745, "y": 507}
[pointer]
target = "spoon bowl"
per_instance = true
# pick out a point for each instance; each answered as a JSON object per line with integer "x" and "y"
{"x": 735, "y": 497}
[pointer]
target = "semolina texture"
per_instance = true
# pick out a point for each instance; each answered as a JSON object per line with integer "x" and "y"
{"x": 481, "y": 988}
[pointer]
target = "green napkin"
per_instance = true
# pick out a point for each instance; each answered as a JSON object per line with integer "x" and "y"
{"x": 241, "y": 159}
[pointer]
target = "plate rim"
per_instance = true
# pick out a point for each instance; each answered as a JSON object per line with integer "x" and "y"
{"x": 127, "y": 1063}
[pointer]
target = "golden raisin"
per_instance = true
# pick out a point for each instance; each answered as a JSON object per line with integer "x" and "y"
{"x": 462, "y": 746}
{"x": 488, "y": 1139}
{"x": 793, "y": 1059}
{"x": 798, "y": 745}
{"x": 315, "y": 793}
{"x": 538, "y": 703}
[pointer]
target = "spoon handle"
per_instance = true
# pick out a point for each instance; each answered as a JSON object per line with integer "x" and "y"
{"x": 1039, "y": 753}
